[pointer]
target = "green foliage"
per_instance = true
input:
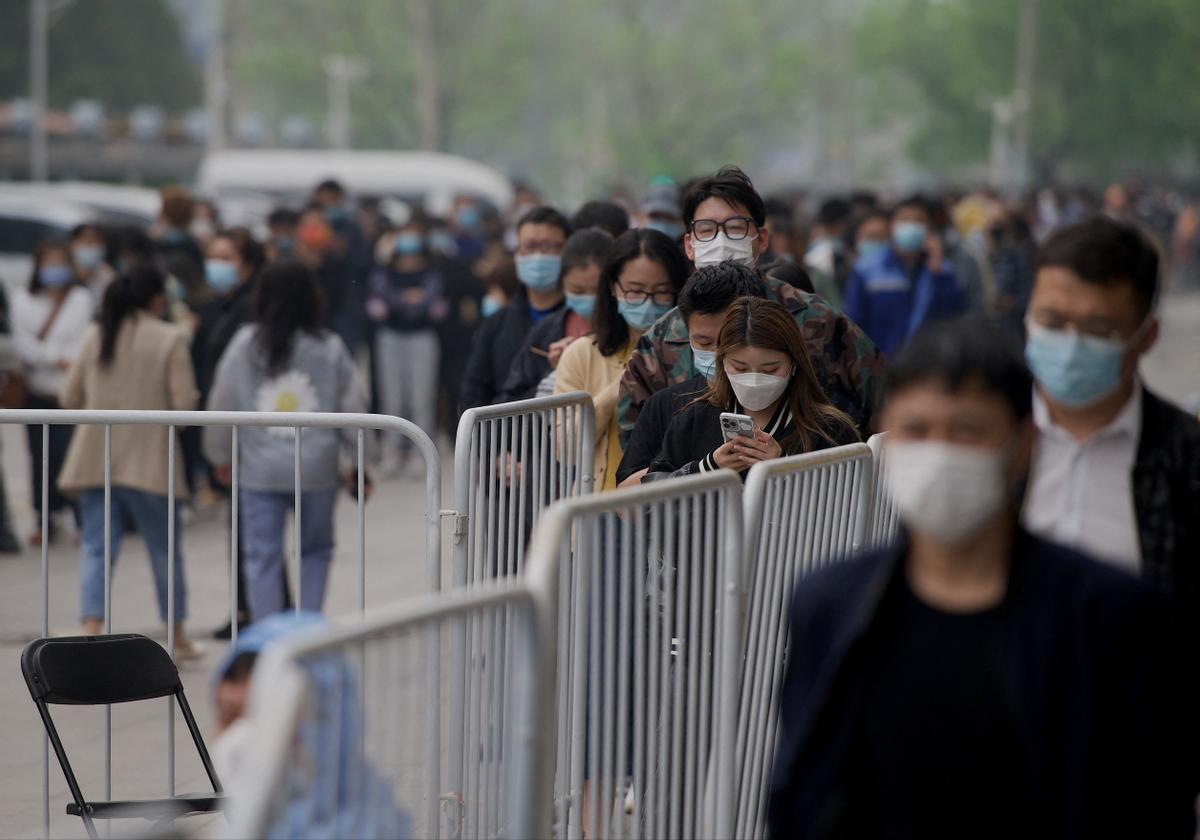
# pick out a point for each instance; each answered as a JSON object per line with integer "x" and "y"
{"x": 122, "y": 52}
{"x": 1114, "y": 84}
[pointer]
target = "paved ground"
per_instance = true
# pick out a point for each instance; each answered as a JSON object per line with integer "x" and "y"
{"x": 395, "y": 568}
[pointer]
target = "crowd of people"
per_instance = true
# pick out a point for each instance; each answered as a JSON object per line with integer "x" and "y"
{"x": 1024, "y": 479}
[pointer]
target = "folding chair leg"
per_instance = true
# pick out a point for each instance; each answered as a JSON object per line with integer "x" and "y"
{"x": 198, "y": 739}
{"x": 76, "y": 793}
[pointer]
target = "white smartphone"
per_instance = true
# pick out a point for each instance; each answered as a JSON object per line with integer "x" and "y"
{"x": 736, "y": 425}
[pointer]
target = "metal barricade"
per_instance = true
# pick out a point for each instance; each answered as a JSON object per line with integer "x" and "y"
{"x": 800, "y": 513}
{"x": 297, "y": 422}
{"x": 511, "y": 461}
{"x": 349, "y": 736}
{"x": 648, "y": 623}
{"x": 882, "y": 520}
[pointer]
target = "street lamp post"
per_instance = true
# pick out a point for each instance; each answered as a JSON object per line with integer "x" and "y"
{"x": 39, "y": 26}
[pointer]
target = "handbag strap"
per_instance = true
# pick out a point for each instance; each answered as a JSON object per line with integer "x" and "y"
{"x": 51, "y": 318}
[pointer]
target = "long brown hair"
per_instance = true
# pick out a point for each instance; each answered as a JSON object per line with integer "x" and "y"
{"x": 755, "y": 322}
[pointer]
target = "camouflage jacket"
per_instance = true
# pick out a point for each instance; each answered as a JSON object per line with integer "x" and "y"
{"x": 848, "y": 364}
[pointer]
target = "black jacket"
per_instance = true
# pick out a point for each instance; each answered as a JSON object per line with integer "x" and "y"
{"x": 218, "y": 321}
{"x": 655, "y": 417}
{"x": 1101, "y": 699}
{"x": 497, "y": 342}
{"x": 695, "y": 434}
{"x": 1166, "y": 499}
{"x": 529, "y": 368}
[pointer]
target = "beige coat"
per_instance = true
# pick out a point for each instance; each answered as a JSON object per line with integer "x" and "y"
{"x": 582, "y": 368}
{"x": 151, "y": 369}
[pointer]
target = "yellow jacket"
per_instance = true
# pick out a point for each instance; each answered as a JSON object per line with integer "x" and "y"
{"x": 582, "y": 368}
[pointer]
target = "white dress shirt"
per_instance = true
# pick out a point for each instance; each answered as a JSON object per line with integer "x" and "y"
{"x": 46, "y": 359}
{"x": 1080, "y": 493}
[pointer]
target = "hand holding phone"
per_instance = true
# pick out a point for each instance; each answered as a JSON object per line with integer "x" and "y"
{"x": 736, "y": 425}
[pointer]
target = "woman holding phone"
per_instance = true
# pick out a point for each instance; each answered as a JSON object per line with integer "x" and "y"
{"x": 764, "y": 401}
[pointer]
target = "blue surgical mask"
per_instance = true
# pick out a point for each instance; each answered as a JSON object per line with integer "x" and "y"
{"x": 221, "y": 275}
{"x": 88, "y": 257}
{"x": 539, "y": 272}
{"x": 1074, "y": 370}
{"x": 55, "y": 276}
{"x": 667, "y": 227}
{"x": 871, "y": 249}
{"x": 409, "y": 244}
{"x": 641, "y": 316}
{"x": 489, "y": 306}
{"x": 909, "y": 236}
{"x": 468, "y": 218}
{"x": 582, "y": 305}
{"x": 705, "y": 362}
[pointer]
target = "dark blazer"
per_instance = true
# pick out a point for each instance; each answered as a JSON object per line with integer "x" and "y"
{"x": 1166, "y": 500}
{"x": 528, "y": 368}
{"x": 497, "y": 342}
{"x": 1101, "y": 697}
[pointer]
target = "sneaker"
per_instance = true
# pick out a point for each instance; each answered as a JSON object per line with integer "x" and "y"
{"x": 224, "y": 634}
{"x": 186, "y": 649}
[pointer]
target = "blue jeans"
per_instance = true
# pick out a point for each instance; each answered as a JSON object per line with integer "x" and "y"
{"x": 149, "y": 513}
{"x": 265, "y": 517}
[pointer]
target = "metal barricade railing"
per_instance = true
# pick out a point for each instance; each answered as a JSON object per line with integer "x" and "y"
{"x": 511, "y": 461}
{"x": 800, "y": 513}
{"x": 349, "y": 734}
{"x": 882, "y": 520}
{"x": 176, "y": 421}
{"x": 648, "y": 623}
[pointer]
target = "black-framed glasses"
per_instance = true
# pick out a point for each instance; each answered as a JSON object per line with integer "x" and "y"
{"x": 736, "y": 227}
{"x": 634, "y": 297}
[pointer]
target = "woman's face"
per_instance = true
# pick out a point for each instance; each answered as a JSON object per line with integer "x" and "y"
{"x": 646, "y": 276}
{"x": 582, "y": 280}
{"x": 223, "y": 250}
{"x": 55, "y": 257}
{"x": 758, "y": 360}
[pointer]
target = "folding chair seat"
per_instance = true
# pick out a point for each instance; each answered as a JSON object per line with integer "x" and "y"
{"x": 101, "y": 670}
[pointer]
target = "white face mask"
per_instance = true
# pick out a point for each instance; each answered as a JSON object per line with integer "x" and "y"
{"x": 721, "y": 248}
{"x": 756, "y": 391}
{"x": 945, "y": 490}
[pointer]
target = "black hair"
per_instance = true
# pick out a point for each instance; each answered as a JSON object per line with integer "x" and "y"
{"x": 731, "y": 185}
{"x": 86, "y": 227}
{"x": 332, "y": 185}
{"x": 129, "y": 293}
{"x": 545, "y": 215}
{"x": 714, "y": 288}
{"x": 288, "y": 301}
{"x": 136, "y": 241}
{"x": 1105, "y": 252}
{"x": 590, "y": 246}
{"x": 791, "y": 273}
{"x": 602, "y": 214}
{"x": 612, "y": 333}
{"x": 39, "y": 256}
{"x": 250, "y": 252}
{"x": 283, "y": 216}
{"x": 964, "y": 353}
{"x": 241, "y": 667}
{"x": 916, "y": 200}
{"x": 833, "y": 211}
{"x": 864, "y": 198}
{"x": 777, "y": 206}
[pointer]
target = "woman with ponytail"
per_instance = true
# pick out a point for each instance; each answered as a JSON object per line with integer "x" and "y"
{"x": 130, "y": 359}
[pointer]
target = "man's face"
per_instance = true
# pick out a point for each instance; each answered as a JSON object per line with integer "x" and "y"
{"x": 1062, "y": 300}
{"x": 703, "y": 330}
{"x": 970, "y": 416}
{"x": 538, "y": 238}
{"x": 911, "y": 213}
{"x": 874, "y": 229}
{"x": 719, "y": 210}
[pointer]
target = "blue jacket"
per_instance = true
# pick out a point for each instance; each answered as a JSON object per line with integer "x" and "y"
{"x": 1099, "y": 685}
{"x": 890, "y": 302}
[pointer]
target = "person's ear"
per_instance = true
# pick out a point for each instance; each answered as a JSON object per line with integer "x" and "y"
{"x": 1149, "y": 338}
{"x": 763, "y": 241}
{"x": 687, "y": 247}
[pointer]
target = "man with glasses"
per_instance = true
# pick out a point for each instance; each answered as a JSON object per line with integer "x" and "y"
{"x": 725, "y": 220}
{"x": 1117, "y": 470}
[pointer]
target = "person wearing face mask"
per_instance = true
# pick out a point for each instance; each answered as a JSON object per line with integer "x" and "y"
{"x": 763, "y": 371}
{"x": 725, "y": 219}
{"x": 639, "y": 283}
{"x": 871, "y": 237}
{"x": 407, "y": 302}
{"x": 89, "y": 252}
{"x": 974, "y": 680}
{"x": 541, "y": 235}
{"x": 660, "y": 210}
{"x": 1117, "y": 468}
{"x": 345, "y": 264}
{"x": 49, "y": 317}
{"x": 911, "y": 284}
{"x": 704, "y": 301}
{"x": 533, "y": 369}
{"x": 826, "y": 255}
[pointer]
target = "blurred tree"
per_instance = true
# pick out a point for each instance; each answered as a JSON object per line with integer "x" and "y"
{"x": 1114, "y": 87}
{"x": 121, "y": 52}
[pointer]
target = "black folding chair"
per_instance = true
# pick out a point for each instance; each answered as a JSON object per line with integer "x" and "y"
{"x": 98, "y": 670}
